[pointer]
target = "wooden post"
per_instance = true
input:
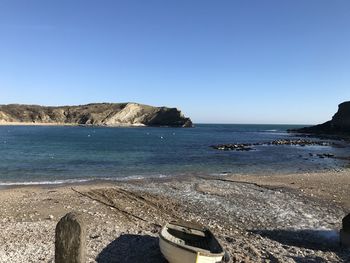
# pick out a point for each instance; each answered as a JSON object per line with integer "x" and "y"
{"x": 70, "y": 243}
{"x": 345, "y": 232}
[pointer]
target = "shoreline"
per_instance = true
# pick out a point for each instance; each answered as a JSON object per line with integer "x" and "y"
{"x": 169, "y": 177}
{"x": 254, "y": 217}
{"x": 92, "y": 181}
{"x": 36, "y": 124}
{"x": 69, "y": 124}
{"x": 319, "y": 184}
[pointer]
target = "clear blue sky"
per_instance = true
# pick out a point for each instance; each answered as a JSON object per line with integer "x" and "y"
{"x": 218, "y": 61}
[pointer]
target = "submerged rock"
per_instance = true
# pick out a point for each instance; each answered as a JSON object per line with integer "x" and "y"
{"x": 325, "y": 155}
{"x": 249, "y": 146}
{"x": 300, "y": 142}
{"x": 233, "y": 147}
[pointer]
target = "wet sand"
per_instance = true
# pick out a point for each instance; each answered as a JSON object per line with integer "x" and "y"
{"x": 278, "y": 218}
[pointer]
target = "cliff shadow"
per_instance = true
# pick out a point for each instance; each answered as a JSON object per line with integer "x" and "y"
{"x": 314, "y": 239}
{"x": 129, "y": 248}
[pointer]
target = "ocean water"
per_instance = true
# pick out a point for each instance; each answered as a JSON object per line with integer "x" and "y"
{"x": 56, "y": 154}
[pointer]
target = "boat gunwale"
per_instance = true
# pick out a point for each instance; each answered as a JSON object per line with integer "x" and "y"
{"x": 200, "y": 251}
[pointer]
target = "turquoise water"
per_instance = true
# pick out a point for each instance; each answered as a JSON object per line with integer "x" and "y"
{"x": 56, "y": 154}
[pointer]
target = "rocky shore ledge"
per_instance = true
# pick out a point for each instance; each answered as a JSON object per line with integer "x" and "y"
{"x": 338, "y": 125}
{"x": 284, "y": 218}
{"x": 99, "y": 114}
{"x": 249, "y": 146}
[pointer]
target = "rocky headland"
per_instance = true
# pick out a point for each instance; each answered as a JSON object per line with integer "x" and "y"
{"x": 99, "y": 114}
{"x": 338, "y": 125}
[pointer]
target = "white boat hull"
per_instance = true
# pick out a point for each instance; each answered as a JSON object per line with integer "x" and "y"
{"x": 176, "y": 252}
{"x": 171, "y": 253}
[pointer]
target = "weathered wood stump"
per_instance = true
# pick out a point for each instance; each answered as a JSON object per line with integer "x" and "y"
{"x": 346, "y": 223}
{"x": 70, "y": 240}
{"x": 345, "y": 232}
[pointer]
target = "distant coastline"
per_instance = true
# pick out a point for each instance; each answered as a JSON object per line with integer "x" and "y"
{"x": 17, "y": 123}
{"x": 94, "y": 114}
{"x": 67, "y": 124}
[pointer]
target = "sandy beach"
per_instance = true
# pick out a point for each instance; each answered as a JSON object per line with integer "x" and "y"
{"x": 279, "y": 218}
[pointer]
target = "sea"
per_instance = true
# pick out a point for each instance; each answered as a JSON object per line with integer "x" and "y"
{"x": 63, "y": 154}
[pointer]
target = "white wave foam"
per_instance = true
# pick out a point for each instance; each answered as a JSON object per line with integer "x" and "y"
{"x": 72, "y": 181}
{"x": 68, "y": 181}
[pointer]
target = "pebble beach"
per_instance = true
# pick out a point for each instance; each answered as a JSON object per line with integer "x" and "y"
{"x": 271, "y": 218}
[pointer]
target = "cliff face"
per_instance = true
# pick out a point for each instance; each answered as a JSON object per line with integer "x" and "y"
{"x": 340, "y": 122}
{"x": 107, "y": 114}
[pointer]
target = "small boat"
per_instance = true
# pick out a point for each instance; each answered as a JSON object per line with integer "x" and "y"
{"x": 183, "y": 242}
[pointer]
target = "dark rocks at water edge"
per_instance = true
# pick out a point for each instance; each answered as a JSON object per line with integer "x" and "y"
{"x": 325, "y": 155}
{"x": 300, "y": 142}
{"x": 233, "y": 147}
{"x": 338, "y": 125}
{"x": 249, "y": 146}
{"x": 100, "y": 114}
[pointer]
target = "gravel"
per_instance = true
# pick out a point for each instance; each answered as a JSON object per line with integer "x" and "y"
{"x": 254, "y": 223}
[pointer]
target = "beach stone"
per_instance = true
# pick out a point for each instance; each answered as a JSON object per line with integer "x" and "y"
{"x": 70, "y": 243}
{"x": 345, "y": 232}
{"x": 344, "y": 238}
{"x": 346, "y": 223}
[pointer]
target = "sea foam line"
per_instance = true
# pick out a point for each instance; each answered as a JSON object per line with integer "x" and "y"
{"x": 72, "y": 181}
{"x": 45, "y": 182}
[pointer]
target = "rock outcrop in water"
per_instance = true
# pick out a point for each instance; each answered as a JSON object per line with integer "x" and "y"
{"x": 104, "y": 114}
{"x": 249, "y": 146}
{"x": 340, "y": 123}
